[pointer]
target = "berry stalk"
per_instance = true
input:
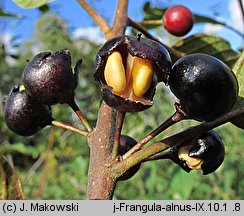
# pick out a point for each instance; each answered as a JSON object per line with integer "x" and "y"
{"x": 80, "y": 115}
{"x": 68, "y": 127}
{"x": 176, "y": 117}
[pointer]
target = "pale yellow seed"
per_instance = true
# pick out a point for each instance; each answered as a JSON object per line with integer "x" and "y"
{"x": 21, "y": 88}
{"x": 192, "y": 163}
{"x": 142, "y": 75}
{"x": 114, "y": 73}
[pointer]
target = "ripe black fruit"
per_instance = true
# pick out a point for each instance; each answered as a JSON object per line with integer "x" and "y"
{"x": 205, "y": 86}
{"x": 126, "y": 143}
{"x": 206, "y": 152}
{"x": 49, "y": 78}
{"x": 129, "y": 68}
{"x": 24, "y": 115}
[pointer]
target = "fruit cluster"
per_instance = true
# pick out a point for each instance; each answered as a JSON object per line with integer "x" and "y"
{"x": 47, "y": 79}
{"x": 129, "y": 69}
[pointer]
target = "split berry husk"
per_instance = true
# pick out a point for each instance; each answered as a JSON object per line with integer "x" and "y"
{"x": 205, "y": 86}
{"x": 126, "y": 143}
{"x": 129, "y": 68}
{"x": 49, "y": 78}
{"x": 206, "y": 153}
{"x": 178, "y": 20}
{"x": 24, "y": 115}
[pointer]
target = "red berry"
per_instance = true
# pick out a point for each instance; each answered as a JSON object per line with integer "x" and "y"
{"x": 178, "y": 20}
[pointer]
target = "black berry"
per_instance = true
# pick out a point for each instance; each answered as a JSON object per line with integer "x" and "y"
{"x": 206, "y": 153}
{"x": 205, "y": 86}
{"x": 24, "y": 115}
{"x": 49, "y": 78}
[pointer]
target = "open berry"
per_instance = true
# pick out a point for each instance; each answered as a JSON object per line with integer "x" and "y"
{"x": 206, "y": 153}
{"x": 126, "y": 143}
{"x": 24, "y": 115}
{"x": 49, "y": 78}
{"x": 205, "y": 86}
{"x": 129, "y": 69}
{"x": 178, "y": 20}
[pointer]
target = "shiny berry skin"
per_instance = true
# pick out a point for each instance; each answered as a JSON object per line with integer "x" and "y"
{"x": 205, "y": 86}
{"x": 24, "y": 115}
{"x": 49, "y": 78}
{"x": 206, "y": 153}
{"x": 129, "y": 68}
{"x": 178, "y": 20}
{"x": 126, "y": 143}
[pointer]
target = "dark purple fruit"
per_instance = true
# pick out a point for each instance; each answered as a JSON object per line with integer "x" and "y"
{"x": 49, "y": 78}
{"x": 129, "y": 68}
{"x": 126, "y": 143}
{"x": 24, "y": 115}
{"x": 206, "y": 153}
{"x": 205, "y": 86}
{"x": 178, "y": 20}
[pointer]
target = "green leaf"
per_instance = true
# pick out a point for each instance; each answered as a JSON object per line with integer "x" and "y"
{"x": 212, "y": 45}
{"x": 9, "y": 15}
{"x": 238, "y": 69}
{"x": 11, "y": 188}
{"x": 31, "y": 3}
{"x": 204, "y": 19}
{"x": 20, "y": 148}
{"x": 182, "y": 178}
{"x": 153, "y": 13}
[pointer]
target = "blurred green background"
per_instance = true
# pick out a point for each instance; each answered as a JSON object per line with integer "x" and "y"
{"x": 54, "y": 166}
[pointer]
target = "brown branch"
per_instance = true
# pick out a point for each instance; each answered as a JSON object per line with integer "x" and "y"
{"x": 148, "y": 35}
{"x": 100, "y": 182}
{"x": 103, "y": 25}
{"x": 120, "y": 17}
{"x": 188, "y": 134}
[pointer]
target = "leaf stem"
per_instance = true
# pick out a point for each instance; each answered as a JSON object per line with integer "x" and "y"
{"x": 69, "y": 127}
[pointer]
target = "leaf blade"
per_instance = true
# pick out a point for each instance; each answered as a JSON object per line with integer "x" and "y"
{"x": 212, "y": 45}
{"x": 238, "y": 69}
{"x": 31, "y": 3}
